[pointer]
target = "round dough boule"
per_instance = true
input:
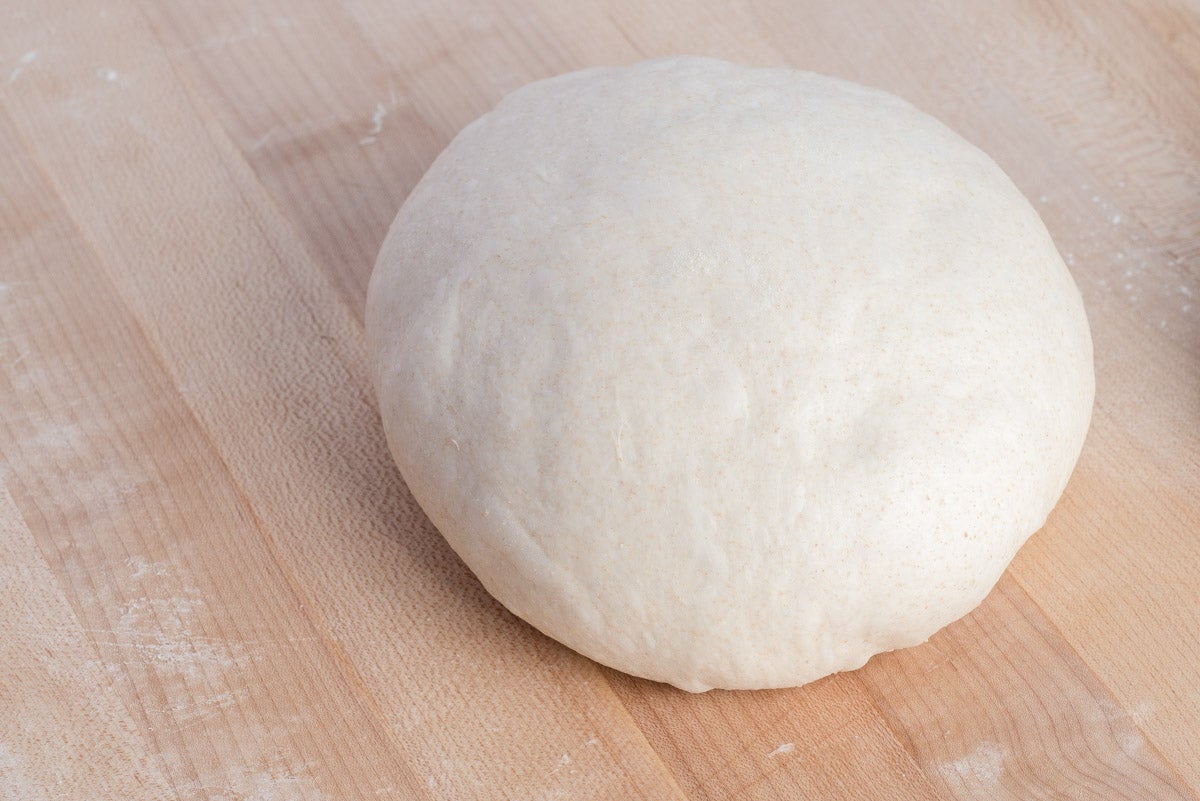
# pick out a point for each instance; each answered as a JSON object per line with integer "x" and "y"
{"x": 727, "y": 377}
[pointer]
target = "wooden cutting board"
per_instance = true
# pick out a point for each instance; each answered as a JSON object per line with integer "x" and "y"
{"x": 213, "y": 583}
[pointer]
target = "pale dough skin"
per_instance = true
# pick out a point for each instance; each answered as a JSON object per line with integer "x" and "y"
{"x": 727, "y": 377}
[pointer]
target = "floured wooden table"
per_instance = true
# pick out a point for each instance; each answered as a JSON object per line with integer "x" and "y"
{"x": 213, "y": 583}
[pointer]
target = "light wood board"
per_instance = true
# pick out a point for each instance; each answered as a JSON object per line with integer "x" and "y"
{"x": 213, "y": 583}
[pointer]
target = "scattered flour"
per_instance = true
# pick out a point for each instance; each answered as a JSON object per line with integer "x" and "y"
{"x": 24, "y": 61}
{"x": 1130, "y": 742}
{"x": 1127, "y": 736}
{"x": 376, "y": 124}
{"x": 140, "y": 568}
{"x": 161, "y": 632}
{"x": 272, "y": 785}
{"x": 1142, "y": 712}
{"x": 785, "y": 748}
{"x": 247, "y": 33}
{"x": 193, "y": 711}
{"x": 981, "y": 768}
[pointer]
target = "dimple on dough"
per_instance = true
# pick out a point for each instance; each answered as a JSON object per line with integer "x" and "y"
{"x": 727, "y": 377}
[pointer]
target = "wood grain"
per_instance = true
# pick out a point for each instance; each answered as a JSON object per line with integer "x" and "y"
{"x": 64, "y": 729}
{"x": 180, "y": 596}
{"x": 213, "y": 583}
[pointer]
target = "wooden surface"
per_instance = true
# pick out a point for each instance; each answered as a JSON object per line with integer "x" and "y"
{"x": 213, "y": 583}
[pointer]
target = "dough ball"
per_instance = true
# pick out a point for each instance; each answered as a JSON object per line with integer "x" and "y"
{"x": 727, "y": 377}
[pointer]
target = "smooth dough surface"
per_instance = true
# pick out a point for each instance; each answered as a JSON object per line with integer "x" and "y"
{"x": 727, "y": 377}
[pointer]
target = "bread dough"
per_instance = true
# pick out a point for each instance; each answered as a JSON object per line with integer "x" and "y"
{"x": 727, "y": 377}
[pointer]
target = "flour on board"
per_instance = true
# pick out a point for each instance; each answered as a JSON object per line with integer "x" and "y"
{"x": 376, "y": 124}
{"x": 980, "y": 768}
